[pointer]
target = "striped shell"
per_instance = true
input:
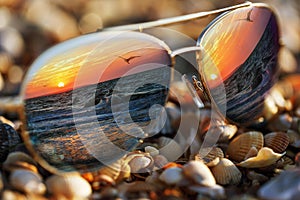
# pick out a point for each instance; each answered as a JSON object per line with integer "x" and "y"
{"x": 225, "y": 172}
{"x": 278, "y": 141}
{"x": 239, "y": 147}
{"x": 209, "y": 154}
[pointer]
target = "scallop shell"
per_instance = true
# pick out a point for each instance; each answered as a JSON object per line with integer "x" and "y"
{"x": 209, "y": 154}
{"x": 264, "y": 158}
{"x": 225, "y": 172}
{"x": 171, "y": 176}
{"x": 278, "y": 141}
{"x": 27, "y": 181}
{"x": 240, "y": 145}
{"x": 68, "y": 186}
{"x": 199, "y": 173}
{"x": 9, "y": 138}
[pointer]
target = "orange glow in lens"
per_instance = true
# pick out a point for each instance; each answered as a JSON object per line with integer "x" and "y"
{"x": 85, "y": 63}
{"x": 231, "y": 40}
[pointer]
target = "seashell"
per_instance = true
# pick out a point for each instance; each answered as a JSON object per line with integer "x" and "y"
{"x": 160, "y": 161}
{"x": 284, "y": 186}
{"x": 251, "y": 153}
{"x": 278, "y": 141}
{"x": 117, "y": 170}
{"x": 9, "y": 138}
{"x": 152, "y": 151}
{"x": 209, "y": 154}
{"x": 227, "y": 131}
{"x": 27, "y": 181}
{"x": 102, "y": 181}
{"x": 225, "y": 172}
{"x": 68, "y": 186}
{"x": 19, "y": 160}
{"x": 140, "y": 163}
{"x": 214, "y": 192}
{"x": 240, "y": 145}
{"x": 171, "y": 176}
{"x": 265, "y": 157}
{"x": 13, "y": 195}
{"x": 199, "y": 173}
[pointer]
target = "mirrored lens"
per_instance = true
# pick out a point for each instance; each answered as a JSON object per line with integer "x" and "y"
{"x": 243, "y": 45}
{"x": 90, "y": 99}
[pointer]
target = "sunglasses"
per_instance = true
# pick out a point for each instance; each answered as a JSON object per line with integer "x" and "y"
{"x": 91, "y": 99}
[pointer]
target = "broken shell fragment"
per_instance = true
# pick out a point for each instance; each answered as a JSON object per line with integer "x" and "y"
{"x": 198, "y": 172}
{"x": 225, "y": 172}
{"x": 264, "y": 158}
{"x": 27, "y": 181}
{"x": 278, "y": 141}
{"x": 68, "y": 186}
{"x": 239, "y": 147}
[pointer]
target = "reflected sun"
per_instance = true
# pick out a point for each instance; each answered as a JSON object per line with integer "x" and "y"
{"x": 61, "y": 84}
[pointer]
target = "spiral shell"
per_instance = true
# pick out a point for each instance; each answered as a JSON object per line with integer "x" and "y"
{"x": 225, "y": 172}
{"x": 8, "y": 138}
{"x": 240, "y": 145}
{"x": 278, "y": 141}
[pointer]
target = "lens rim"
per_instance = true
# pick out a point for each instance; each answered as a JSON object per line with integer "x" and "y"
{"x": 199, "y": 55}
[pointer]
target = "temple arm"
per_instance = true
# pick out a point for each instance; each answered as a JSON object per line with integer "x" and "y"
{"x": 173, "y": 20}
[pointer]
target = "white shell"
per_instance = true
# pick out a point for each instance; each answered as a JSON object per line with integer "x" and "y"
{"x": 27, "y": 181}
{"x": 171, "y": 176}
{"x": 265, "y": 157}
{"x": 199, "y": 173}
{"x": 69, "y": 185}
